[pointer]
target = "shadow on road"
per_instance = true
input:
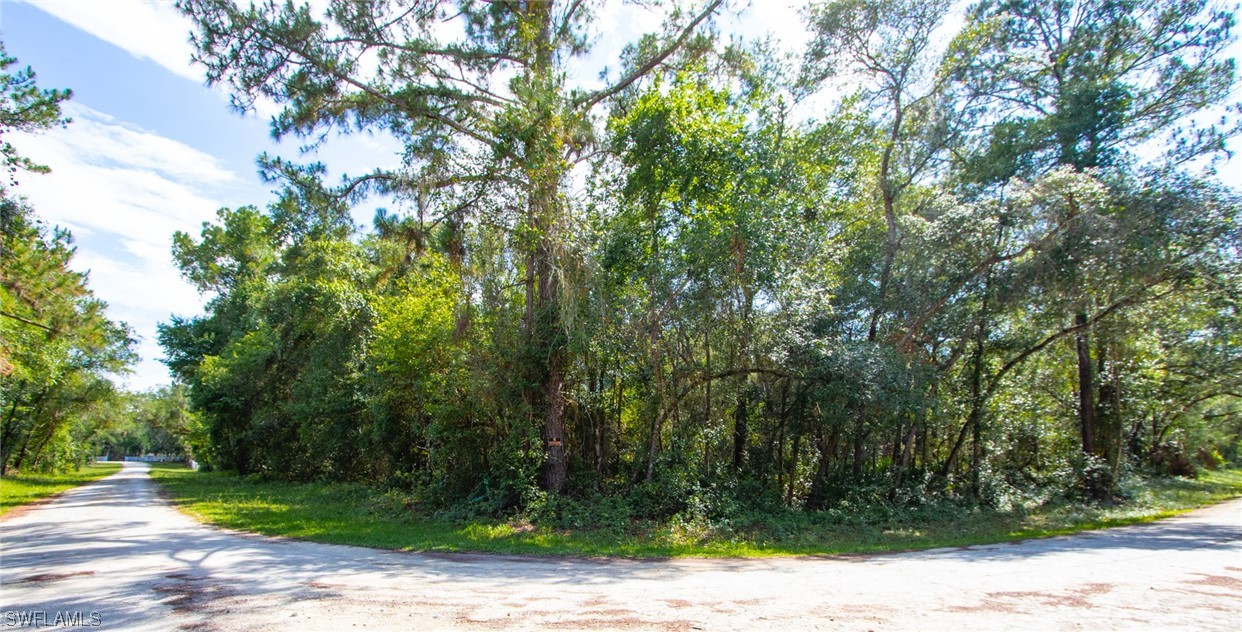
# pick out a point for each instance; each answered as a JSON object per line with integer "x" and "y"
{"x": 1177, "y": 534}
{"x": 117, "y": 547}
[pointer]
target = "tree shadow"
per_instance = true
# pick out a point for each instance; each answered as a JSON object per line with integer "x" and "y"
{"x": 118, "y": 548}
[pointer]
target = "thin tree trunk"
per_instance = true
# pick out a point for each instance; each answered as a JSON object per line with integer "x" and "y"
{"x": 927, "y": 435}
{"x": 1086, "y": 385}
{"x": 6, "y": 437}
{"x": 858, "y": 445}
{"x": 977, "y": 398}
{"x": 707, "y": 406}
{"x": 600, "y": 418}
{"x": 957, "y": 447}
{"x": 780, "y": 440}
{"x": 740, "y": 431}
{"x": 21, "y": 454}
{"x": 793, "y": 468}
{"x": 827, "y": 452}
{"x": 889, "y": 197}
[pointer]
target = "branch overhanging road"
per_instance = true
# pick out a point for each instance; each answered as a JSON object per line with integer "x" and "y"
{"x": 116, "y": 549}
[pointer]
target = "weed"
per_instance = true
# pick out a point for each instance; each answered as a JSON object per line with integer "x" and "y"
{"x": 708, "y": 522}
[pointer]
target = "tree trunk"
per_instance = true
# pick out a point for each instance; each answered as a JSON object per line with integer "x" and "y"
{"x": 653, "y": 444}
{"x": 707, "y": 406}
{"x": 903, "y": 463}
{"x": 556, "y": 464}
{"x": 545, "y": 169}
{"x": 888, "y": 195}
{"x": 1107, "y": 406}
{"x": 600, "y": 418}
{"x": 21, "y": 454}
{"x": 780, "y": 439}
{"x": 6, "y": 438}
{"x": 859, "y": 428}
{"x": 977, "y": 402}
{"x": 793, "y": 468}
{"x": 1086, "y": 385}
{"x": 818, "y": 498}
{"x": 740, "y": 431}
{"x": 707, "y": 366}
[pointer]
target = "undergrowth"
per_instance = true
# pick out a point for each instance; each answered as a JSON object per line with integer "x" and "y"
{"x": 708, "y": 522}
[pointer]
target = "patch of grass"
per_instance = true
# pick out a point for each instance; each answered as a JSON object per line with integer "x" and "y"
{"x": 353, "y": 514}
{"x": 22, "y": 489}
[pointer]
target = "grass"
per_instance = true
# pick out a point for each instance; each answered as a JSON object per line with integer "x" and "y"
{"x": 352, "y": 514}
{"x": 23, "y": 489}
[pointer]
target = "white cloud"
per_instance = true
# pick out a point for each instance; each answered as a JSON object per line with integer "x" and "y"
{"x": 781, "y": 19}
{"x": 147, "y": 29}
{"x": 128, "y": 190}
{"x": 619, "y": 23}
{"x": 105, "y": 171}
{"x": 140, "y": 294}
{"x": 616, "y": 24}
{"x": 152, "y": 30}
{"x": 147, "y": 151}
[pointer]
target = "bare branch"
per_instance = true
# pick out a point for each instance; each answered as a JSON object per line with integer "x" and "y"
{"x": 30, "y": 322}
{"x": 589, "y": 101}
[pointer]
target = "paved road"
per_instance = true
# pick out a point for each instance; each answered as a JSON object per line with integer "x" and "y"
{"x": 116, "y": 550}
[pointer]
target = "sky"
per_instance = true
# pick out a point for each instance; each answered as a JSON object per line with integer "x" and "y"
{"x": 153, "y": 150}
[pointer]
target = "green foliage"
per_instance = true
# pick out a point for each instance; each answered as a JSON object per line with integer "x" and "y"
{"x": 422, "y": 376}
{"x": 58, "y": 350}
{"x": 1085, "y": 82}
{"x": 24, "y": 107}
{"x": 157, "y": 422}
{"x": 962, "y": 286}
{"x": 558, "y": 525}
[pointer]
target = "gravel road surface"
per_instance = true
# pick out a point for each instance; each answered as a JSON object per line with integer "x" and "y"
{"x": 115, "y": 551}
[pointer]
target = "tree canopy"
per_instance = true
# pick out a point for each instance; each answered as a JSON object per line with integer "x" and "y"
{"x": 970, "y": 276}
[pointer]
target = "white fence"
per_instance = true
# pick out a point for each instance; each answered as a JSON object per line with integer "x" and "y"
{"x": 156, "y": 458}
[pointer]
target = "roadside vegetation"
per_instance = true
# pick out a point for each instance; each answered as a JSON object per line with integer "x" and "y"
{"x": 342, "y": 513}
{"x": 988, "y": 286}
{"x": 60, "y": 353}
{"x": 22, "y": 489}
{"x": 58, "y": 348}
{"x": 996, "y": 272}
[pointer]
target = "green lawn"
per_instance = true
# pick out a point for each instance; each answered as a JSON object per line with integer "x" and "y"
{"x": 352, "y": 514}
{"x": 26, "y": 488}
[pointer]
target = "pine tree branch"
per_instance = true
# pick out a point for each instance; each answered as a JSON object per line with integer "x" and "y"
{"x": 589, "y": 101}
{"x": 30, "y": 322}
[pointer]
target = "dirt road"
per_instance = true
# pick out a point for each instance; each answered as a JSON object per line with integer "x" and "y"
{"x": 115, "y": 551}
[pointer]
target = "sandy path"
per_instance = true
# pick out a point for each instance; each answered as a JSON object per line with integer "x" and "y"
{"x": 115, "y": 549}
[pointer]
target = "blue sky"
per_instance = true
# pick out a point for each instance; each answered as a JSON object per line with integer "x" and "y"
{"x": 152, "y": 150}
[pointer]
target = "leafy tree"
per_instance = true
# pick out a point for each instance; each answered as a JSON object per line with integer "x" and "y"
{"x": 1087, "y": 82}
{"x": 386, "y": 66}
{"x": 220, "y": 357}
{"x": 886, "y": 45}
{"x": 698, "y": 305}
{"x": 58, "y": 344}
{"x": 58, "y": 349}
